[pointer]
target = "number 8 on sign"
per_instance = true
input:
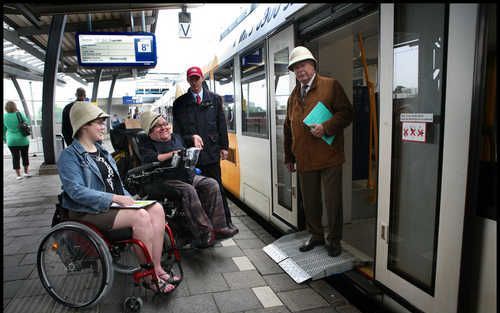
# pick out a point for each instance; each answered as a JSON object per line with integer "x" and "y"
{"x": 144, "y": 46}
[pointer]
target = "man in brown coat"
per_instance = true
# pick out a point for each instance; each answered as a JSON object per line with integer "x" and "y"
{"x": 319, "y": 164}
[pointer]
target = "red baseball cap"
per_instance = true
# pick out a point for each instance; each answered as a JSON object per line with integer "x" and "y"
{"x": 194, "y": 71}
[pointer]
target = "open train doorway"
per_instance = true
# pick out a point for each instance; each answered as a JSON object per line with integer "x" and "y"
{"x": 341, "y": 56}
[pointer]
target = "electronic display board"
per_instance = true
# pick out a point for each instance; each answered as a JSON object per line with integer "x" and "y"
{"x": 116, "y": 49}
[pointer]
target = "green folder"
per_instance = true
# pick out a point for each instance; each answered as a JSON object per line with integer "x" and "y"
{"x": 318, "y": 115}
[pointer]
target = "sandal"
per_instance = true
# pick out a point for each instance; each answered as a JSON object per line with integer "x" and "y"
{"x": 165, "y": 287}
{"x": 171, "y": 279}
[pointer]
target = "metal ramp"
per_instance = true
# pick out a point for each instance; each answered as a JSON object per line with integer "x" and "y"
{"x": 313, "y": 264}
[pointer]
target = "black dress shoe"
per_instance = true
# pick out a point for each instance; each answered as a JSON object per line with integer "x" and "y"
{"x": 311, "y": 243}
{"x": 334, "y": 250}
{"x": 226, "y": 232}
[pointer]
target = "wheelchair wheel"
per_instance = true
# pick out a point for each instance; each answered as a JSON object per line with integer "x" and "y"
{"x": 132, "y": 305}
{"x": 74, "y": 265}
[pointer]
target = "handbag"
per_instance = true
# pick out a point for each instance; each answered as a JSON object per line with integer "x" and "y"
{"x": 23, "y": 127}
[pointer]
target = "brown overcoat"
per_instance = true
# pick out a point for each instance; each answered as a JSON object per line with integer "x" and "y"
{"x": 309, "y": 152}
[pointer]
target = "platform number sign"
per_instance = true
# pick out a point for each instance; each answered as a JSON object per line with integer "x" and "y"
{"x": 144, "y": 46}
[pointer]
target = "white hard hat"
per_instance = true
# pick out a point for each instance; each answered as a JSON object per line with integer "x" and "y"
{"x": 82, "y": 112}
{"x": 300, "y": 54}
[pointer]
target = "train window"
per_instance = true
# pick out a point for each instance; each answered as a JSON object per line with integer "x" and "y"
{"x": 281, "y": 94}
{"x": 416, "y": 166}
{"x": 483, "y": 157}
{"x": 254, "y": 94}
{"x": 224, "y": 86}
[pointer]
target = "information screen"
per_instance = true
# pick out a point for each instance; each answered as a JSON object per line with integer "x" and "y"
{"x": 116, "y": 49}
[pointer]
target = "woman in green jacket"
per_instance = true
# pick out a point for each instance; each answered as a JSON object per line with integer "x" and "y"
{"x": 18, "y": 143}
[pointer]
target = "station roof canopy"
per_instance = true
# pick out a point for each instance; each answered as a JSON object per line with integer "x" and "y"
{"x": 26, "y": 27}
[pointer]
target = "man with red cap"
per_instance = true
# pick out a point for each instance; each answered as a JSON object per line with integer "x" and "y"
{"x": 198, "y": 116}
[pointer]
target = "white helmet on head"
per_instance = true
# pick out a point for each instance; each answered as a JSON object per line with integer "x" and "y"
{"x": 300, "y": 54}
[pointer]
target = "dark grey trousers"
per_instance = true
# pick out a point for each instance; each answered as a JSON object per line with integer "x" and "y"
{"x": 202, "y": 203}
{"x": 323, "y": 188}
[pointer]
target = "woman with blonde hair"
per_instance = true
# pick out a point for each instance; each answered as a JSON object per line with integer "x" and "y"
{"x": 17, "y": 142}
{"x": 91, "y": 183}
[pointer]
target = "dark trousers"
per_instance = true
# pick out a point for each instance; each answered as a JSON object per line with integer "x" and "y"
{"x": 201, "y": 202}
{"x": 17, "y": 153}
{"x": 213, "y": 170}
{"x": 323, "y": 188}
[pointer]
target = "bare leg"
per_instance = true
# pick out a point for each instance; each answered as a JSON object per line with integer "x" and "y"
{"x": 140, "y": 222}
{"x": 18, "y": 172}
{"x": 157, "y": 216}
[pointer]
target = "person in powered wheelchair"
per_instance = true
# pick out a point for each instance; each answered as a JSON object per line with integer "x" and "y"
{"x": 201, "y": 199}
{"x": 91, "y": 184}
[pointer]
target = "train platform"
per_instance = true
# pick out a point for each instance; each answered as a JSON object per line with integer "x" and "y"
{"x": 234, "y": 276}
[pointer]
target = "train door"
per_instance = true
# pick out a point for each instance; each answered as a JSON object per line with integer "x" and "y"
{"x": 426, "y": 77}
{"x": 281, "y": 84}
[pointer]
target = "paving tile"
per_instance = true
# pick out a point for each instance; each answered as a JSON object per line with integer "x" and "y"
{"x": 29, "y": 258}
{"x": 236, "y": 301}
{"x": 243, "y": 263}
{"x": 245, "y": 234}
{"x": 30, "y": 288}
{"x": 282, "y": 282}
{"x": 277, "y": 309}
{"x": 210, "y": 282}
{"x": 38, "y": 304}
{"x": 302, "y": 299}
{"x": 12, "y": 260}
{"x": 193, "y": 304}
{"x": 59, "y": 308}
{"x": 227, "y": 252}
{"x": 348, "y": 308}
{"x": 17, "y": 272}
{"x": 10, "y": 288}
{"x": 328, "y": 292}
{"x": 267, "y": 297}
{"x": 245, "y": 279}
{"x": 250, "y": 243}
{"x": 228, "y": 243}
{"x": 264, "y": 264}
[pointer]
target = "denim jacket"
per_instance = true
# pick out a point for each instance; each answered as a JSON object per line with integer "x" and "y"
{"x": 82, "y": 183}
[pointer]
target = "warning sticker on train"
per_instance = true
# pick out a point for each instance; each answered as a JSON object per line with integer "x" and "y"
{"x": 413, "y": 131}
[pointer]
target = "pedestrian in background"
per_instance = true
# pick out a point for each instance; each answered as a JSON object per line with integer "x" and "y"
{"x": 319, "y": 164}
{"x": 17, "y": 142}
{"x": 198, "y": 116}
{"x": 67, "y": 130}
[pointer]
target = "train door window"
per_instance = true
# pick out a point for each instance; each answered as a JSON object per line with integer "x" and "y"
{"x": 483, "y": 164}
{"x": 254, "y": 94}
{"x": 224, "y": 86}
{"x": 417, "y": 144}
{"x": 282, "y": 92}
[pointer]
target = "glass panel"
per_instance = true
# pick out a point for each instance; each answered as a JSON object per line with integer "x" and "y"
{"x": 254, "y": 94}
{"x": 282, "y": 83}
{"x": 224, "y": 86}
{"x": 416, "y": 141}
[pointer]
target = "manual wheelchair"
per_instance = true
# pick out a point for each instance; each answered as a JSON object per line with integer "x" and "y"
{"x": 76, "y": 262}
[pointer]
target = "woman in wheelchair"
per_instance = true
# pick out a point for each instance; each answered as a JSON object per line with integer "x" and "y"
{"x": 201, "y": 198}
{"x": 91, "y": 183}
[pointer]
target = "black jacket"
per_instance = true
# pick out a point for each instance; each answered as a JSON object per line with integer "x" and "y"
{"x": 66, "y": 128}
{"x": 206, "y": 120}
